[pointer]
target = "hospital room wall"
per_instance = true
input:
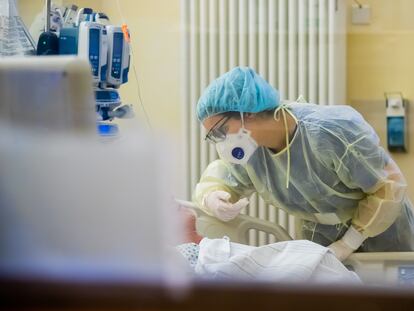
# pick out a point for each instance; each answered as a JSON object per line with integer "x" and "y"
{"x": 155, "y": 39}
{"x": 155, "y": 35}
{"x": 380, "y": 59}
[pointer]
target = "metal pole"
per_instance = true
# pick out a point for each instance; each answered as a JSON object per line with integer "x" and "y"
{"x": 47, "y": 17}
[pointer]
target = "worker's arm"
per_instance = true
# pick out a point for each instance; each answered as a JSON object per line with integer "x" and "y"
{"x": 365, "y": 165}
{"x": 378, "y": 211}
{"x": 222, "y": 176}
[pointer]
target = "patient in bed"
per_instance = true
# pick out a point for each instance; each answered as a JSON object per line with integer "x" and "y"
{"x": 288, "y": 261}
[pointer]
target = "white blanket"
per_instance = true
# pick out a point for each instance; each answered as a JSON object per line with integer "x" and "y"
{"x": 290, "y": 261}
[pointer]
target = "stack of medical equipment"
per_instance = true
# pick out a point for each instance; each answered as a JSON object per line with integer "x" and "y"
{"x": 107, "y": 47}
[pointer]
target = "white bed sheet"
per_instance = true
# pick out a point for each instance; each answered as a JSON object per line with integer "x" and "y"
{"x": 288, "y": 261}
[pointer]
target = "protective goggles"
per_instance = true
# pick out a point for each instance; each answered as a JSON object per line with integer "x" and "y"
{"x": 218, "y": 132}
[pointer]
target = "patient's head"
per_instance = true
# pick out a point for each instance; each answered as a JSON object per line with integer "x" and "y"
{"x": 188, "y": 218}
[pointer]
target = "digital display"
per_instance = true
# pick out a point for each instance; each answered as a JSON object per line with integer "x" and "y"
{"x": 94, "y": 36}
{"x": 118, "y": 43}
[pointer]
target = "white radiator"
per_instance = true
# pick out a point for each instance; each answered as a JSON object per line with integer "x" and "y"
{"x": 297, "y": 45}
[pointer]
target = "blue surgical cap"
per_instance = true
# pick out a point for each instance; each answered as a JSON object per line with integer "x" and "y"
{"x": 240, "y": 89}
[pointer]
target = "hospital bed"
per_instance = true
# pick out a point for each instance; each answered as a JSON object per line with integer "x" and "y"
{"x": 237, "y": 229}
{"x": 377, "y": 269}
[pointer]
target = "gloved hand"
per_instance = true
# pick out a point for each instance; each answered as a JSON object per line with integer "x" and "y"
{"x": 349, "y": 243}
{"x": 218, "y": 203}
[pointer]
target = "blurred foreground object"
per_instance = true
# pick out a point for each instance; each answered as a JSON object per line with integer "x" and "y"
{"x": 51, "y": 93}
{"x": 72, "y": 205}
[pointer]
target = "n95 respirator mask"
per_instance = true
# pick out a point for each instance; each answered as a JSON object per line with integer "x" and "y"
{"x": 237, "y": 148}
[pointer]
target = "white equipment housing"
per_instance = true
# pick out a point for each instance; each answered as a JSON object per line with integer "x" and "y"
{"x": 118, "y": 56}
{"x": 93, "y": 45}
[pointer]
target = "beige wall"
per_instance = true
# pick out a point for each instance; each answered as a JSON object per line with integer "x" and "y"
{"x": 380, "y": 59}
{"x": 28, "y": 9}
{"x": 155, "y": 34}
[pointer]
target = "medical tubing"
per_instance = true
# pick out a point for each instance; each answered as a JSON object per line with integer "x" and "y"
{"x": 358, "y": 3}
{"x": 138, "y": 88}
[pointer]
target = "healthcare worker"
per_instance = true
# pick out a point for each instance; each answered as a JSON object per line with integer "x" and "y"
{"x": 322, "y": 164}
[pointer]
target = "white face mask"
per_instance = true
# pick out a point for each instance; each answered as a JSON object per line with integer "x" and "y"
{"x": 237, "y": 148}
